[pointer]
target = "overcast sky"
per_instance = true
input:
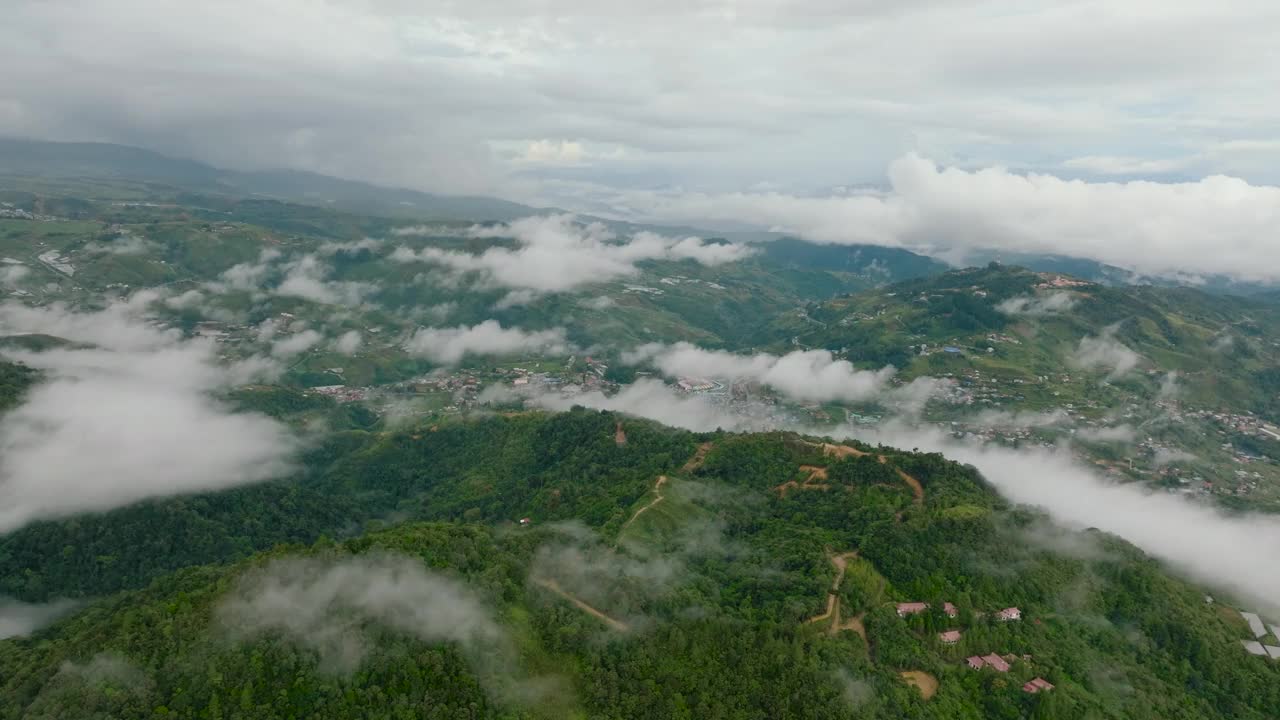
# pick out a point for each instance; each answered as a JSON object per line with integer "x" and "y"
{"x": 616, "y": 107}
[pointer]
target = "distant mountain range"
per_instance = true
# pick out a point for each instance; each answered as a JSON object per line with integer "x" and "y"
{"x": 40, "y": 159}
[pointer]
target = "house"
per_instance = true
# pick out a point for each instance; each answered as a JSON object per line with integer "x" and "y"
{"x": 1255, "y": 624}
{"x": 1008, "y": 614}
{"x": 911, "y": 608}
{"x": 950, "y": 637}
{"x": 950, "y": 610}
{"x": 525, "y": 521}
{"x": 1037, "y": 685}
{"x": 995, "y": 662}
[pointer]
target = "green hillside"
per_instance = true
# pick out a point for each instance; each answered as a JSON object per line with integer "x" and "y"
{"x": 715, "y": 607}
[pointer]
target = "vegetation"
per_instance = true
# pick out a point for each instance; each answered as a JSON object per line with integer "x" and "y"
{"x": 713, "y": 587}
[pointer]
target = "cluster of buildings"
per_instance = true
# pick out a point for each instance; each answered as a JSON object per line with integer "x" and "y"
{"x": 13, "y": 213}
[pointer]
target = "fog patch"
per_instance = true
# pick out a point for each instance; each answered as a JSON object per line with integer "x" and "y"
{"x": 1038, "y": 305}
{"x": 125, "y": 415}
{"x": 450, "y": 345}
{"x": 331, "y": 606}
{"x": 18, "y": 619}
{"x": 1106, "y": 353}
{"x": 556, "y": 253}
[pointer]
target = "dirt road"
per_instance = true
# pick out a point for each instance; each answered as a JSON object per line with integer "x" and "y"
{"x": 554, "y": 587}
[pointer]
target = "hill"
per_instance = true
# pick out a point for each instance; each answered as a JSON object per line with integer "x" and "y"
{"x": 722, "y": 605}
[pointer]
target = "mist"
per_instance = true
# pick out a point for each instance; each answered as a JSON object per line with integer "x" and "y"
{"x": 126, "y": 414}
{"x": 328, "y": 606}
{"x": 18, "y": 619}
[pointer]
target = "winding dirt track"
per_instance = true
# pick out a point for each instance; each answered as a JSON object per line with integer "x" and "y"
{"x": 841, "y": 563}
{"x": 554, "y": 587}
{"x": 657, "y": 490}
{"x": 844, "y": 451}
{"x": 698, "y": 458}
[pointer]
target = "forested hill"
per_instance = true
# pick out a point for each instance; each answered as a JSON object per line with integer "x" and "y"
{"x": 660, "y": 574}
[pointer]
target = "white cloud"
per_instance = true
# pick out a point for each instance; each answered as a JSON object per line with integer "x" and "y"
{"x": 1225, "y": 551}
{"x": 129, "y": 418}
{"x": 1033, "y": 305}
{"x": 11, "y": 275}
{"x": 349, "y": 342}
{"x": 328, "y": 605}
{"x": 805, "y": 375}
{"x": 121, "y": 245}
{"x": 296, "y": 343}
{"x": 349, "y": 248}
{"x": 18, "y": 619}
{"x": 1115, "y": 165}
{"x": 187, "y": 300}
{"x": 450, "y": 345}
{"x": 1217, "y": 225}
{"x": 306, "y": 278}
{"x": 1105, "y": 352}
{"x": 555, "y": 254}
{"x": 248, "y": 276}
{"x": 655, "y": 400}
{"x": 1113, "y": 434}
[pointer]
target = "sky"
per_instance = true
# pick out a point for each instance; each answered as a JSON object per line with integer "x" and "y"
{"x": 1142, "y": 134}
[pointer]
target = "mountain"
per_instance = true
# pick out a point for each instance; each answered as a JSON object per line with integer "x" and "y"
{"x": 717, "y": 575}
{"x": 30, "y": 158}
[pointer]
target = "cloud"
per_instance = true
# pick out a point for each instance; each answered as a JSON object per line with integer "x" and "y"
{"x": 600, "y": 302}
{"x": 1168, "y": 456}
{"x": 187, "y": 300}
{"x": 349, "y": 248}
{"x": 127, "y": 418}
{"x": 11, "y": 275}
{"x": 450, "y": 345}
{"x": 349, "y": 342}
{"x": 1212, "y": 547}
{"x": 1217, "y": 225}
{"x": 1105, "y": 352}
{"x": 1169, "y": 388}
{"x": 654, "y": 399}
{"x": 1019, "y": 419}
{"x": 327, "y": 604}
{"x": 1113, "y": 434}
{"x": 305, "y": 278}
{"x": 556, "y": 254}
{"x": 18, "y": 619}
{"x": 1034, "y": 306}
{"x": 296, "y": 343}
{"x": 248, "y": 276}
{"x": 805, "y": 375}
{"x": 122, "y": 245}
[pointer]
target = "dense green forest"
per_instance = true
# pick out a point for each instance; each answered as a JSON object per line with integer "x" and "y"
{"x": 671, "y": 575}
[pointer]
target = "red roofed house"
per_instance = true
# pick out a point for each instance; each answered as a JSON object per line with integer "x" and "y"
{"x": 911, "y": 608}
{"x": 1008, "y": 614}
{"x": 950, "y": 610}
{"x": 1037, "y": 685}
{"x": 975, "y": 662}
{"x": 996, "y": 662}
{"x": 950, "y": 637}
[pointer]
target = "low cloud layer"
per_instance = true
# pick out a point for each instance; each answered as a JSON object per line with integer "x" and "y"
{"x": 127, "y": 417}
{"x": 449, "y": 346}
{"x": 1218, "y": 225}
{"x": 805, "y": 375}
{"x": 1037, "y": 305}
{"x": 1197, "y": 539}
{"x": 556, "y": 253}
{"x": 18, "y": 619}
{"x": 327, "y": 604}
{"x": 1105, "y": 352}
